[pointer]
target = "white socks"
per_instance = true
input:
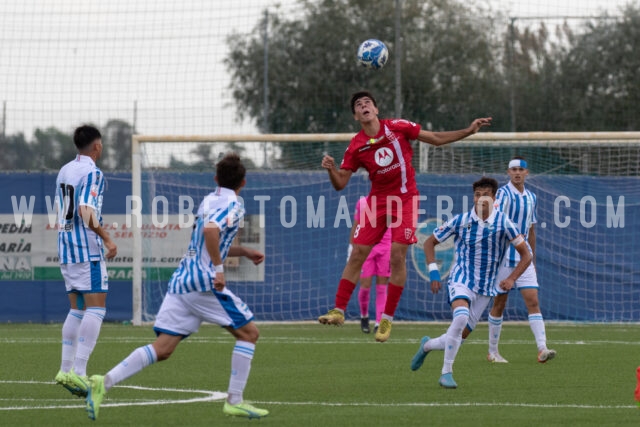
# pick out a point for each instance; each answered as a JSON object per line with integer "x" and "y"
{"x": 139, "y": 359}
{"x": 435, "y": 343}
{"x": 240, "y": 367}
{"x": 495, "y": 327}
{"x": 454, "y": 337}
{"x": 537, "y": 327}
{"x": 70, "y": 338}
{"x": 87, "y": 337}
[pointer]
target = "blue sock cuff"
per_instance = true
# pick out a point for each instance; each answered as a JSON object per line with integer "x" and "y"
{"x": 150, "y": 352}
{"x": 96, "y": 311}
{"x": 244, "y": 348}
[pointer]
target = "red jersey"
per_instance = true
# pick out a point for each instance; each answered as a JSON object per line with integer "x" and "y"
{"x": 387, "y": 157}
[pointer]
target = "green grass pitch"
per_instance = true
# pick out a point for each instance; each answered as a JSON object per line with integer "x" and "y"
{"x": 313, "y": 375}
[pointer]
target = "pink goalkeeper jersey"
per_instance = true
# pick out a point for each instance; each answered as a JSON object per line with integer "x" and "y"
{"x": 387, "y": 158}
{"x": 385, "y": 242}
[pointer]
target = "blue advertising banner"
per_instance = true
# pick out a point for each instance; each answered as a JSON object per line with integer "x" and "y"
{"x": 587, "y": 247}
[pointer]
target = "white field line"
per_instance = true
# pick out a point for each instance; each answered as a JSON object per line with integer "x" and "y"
{"x": 210, "y": 396}
{"x": 455, "y": 404}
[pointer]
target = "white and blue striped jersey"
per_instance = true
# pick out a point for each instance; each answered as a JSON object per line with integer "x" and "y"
{"x": 521, "y": 210}
{"x": 79, "y": 183}
{"x": 195, "y": 273}
{"x": 479, "y": 248}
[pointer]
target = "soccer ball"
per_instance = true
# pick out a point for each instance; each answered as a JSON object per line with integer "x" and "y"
{"x": 373, "y": 53}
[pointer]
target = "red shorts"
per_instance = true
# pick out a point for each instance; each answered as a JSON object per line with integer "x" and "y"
{"x": 401, "y": 215}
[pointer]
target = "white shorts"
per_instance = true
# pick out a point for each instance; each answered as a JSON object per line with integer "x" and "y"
{"x": 528, "y": 279}
{"x": 477, "y": 303}
{"x": 85, "y": 277}
{"x": 182, "y": 314}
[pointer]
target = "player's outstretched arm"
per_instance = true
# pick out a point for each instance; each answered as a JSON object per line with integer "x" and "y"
{"x": 339, "y": 177}
{"x": 442, "y": 138}
{"x": 255, "y": 256}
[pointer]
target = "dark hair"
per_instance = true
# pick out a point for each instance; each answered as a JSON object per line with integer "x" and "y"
{"x": 518, "y": 158}
{"x": 361, "y": 94}
{"x": 84, "y": 136}
{"x": 230, "y": 171}
{"x": 486, "y": 182}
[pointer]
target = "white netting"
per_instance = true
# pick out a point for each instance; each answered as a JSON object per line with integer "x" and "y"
{"x": 585, "y": 257}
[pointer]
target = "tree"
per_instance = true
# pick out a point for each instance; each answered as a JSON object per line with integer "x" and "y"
{"x": 450, "y": 74}
{"x": 600, "y": 76}
{"x": 52, "y": 148}
{"x": 532, "y": 63}
{"x": 116, "y": 136}
{"x": 17, "y": 153}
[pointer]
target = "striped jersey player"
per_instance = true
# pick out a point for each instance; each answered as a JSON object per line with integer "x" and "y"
{"x": 520, "y": 207}
{"x": 79, "y": 189}
{"x": 79, "y": 183}
{"x": 519, "y": 204}
{"x": 198, "y": 293}
{"x": 481, "y": 238}
{"x": 195, "y": 273}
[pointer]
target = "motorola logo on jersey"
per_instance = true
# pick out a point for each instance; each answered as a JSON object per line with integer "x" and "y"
{"x": 384, "y": 156}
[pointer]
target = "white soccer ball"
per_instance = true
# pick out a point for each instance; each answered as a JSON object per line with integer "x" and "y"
{"x": 373, "y": 53}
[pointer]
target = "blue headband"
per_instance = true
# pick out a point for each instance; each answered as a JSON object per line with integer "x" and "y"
{"x": 518, "y": 163}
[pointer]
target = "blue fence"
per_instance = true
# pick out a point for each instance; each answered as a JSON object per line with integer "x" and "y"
{"x": 587, "y": 245}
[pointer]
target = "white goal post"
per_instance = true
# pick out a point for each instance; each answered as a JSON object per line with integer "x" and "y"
{"x": 579, "y": 153}
{"x": 136, "y": 183}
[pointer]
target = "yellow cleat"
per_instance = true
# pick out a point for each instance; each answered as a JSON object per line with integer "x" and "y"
{"x": 76, "y": 384}
{"x": 333, "y": 317}
{"x": 384, "y": 330}
{"x": 95, "y": 396}
{"x": 244, "y": 410}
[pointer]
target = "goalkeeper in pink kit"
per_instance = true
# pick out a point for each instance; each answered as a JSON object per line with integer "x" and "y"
{"x": 378, "y": 265}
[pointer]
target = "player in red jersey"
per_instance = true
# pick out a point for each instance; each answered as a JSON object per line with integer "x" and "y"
{"x": 383, "y": 148}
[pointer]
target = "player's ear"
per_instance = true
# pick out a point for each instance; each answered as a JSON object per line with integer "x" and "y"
{"x": 215, "y": 178}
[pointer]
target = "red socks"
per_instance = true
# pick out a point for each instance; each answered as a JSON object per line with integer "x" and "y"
{"x": 394, "y": 292}
{"x": 345, "y": 289}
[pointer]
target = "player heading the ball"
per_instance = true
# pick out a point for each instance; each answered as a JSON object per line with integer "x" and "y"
{"x": 388, "y": 161}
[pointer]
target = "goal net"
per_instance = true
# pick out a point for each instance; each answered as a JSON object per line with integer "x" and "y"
{"x": 588, "y": 209}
